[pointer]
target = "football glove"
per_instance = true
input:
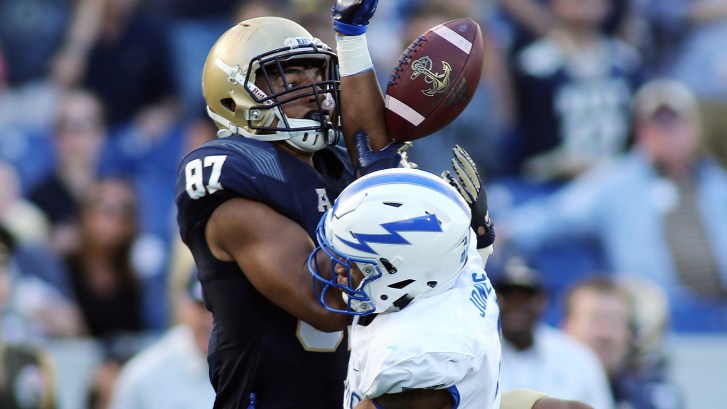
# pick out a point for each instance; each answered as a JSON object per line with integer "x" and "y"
{"x": 351, "y": 17}
{"x": 391, "y": 156}
{"x": 469, "y": 184}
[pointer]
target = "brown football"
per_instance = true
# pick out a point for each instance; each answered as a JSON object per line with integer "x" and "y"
{"x": 434, "y": 80}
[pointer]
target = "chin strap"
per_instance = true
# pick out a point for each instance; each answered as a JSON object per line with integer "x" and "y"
{"x": 292, "y": 138}
{"x": 230, "y": 129}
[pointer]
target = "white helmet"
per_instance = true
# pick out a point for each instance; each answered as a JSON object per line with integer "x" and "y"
{"x": 406, "y": 230}
{"x": 253, "y": 50}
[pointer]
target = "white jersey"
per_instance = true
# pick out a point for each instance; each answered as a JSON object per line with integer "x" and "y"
{"x": 450, "y": 340}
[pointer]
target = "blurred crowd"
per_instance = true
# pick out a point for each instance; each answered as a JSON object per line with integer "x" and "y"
{"x": 599, "y": 126}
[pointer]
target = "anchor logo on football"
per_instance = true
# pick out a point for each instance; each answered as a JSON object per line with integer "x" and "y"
{"x": 440, "y": 81}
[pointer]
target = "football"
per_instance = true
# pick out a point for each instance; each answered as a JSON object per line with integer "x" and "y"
{"x": 434, "y": 79}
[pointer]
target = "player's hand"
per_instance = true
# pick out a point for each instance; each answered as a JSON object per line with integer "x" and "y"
{"x": 351, "y": 17}
{"x": 370, "y": 161}
{"x": 469, "y": 184}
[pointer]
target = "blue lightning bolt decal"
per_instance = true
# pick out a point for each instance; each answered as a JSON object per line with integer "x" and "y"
{"x": 422, "y": 223}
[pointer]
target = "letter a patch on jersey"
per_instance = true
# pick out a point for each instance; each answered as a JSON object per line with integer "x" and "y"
{"x": 323, "y": 202}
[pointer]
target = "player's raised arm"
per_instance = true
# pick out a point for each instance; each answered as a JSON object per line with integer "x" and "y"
{"x": 240, "y": 231}
{"x": 361, "y": 94}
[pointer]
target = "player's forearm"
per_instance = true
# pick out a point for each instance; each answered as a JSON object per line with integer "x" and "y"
{"x": 297, "y": 297}
{"x": 363, "y": 104}
{"x": 361, "y": 96}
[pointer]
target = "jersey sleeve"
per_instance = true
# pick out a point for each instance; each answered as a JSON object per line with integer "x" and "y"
{"x": 210, "y": 175}
{"x": 427, "y": 371}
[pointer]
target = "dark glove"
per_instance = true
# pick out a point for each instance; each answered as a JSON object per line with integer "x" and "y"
{"x": 351, "y": 17}
{"x": 370, "y": 161}
{"x": 469, "y": 184}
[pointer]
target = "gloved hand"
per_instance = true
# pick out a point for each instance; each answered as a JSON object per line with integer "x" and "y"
{"x": 469, "y": 184}
{"x": 370, "y": 161}
{"x": 351, "y": 17}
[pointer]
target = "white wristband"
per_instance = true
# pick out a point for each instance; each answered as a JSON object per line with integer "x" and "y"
{"x": 353, "y": 55}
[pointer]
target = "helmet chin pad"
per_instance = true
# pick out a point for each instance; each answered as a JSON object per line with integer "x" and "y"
{"x": 311, "y": 140}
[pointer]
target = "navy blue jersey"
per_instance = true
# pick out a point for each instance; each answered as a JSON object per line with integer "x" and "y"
{"x": 256, "y": 346}
{"x": 560, "y": 107}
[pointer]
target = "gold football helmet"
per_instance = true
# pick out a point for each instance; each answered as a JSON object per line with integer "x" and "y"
{"x": 259, "y": 49}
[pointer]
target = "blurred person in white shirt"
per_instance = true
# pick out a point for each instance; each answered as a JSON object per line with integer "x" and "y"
{"x": 538, "y": 356}
{"x": 172, "y": 373}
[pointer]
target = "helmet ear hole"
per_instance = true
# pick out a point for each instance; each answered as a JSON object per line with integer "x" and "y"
{"x": 229, "y": 104}
{"x": 387, "y": 264}
{"x": 401, "y": 284}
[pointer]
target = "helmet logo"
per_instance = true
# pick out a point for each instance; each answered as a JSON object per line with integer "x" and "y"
{"x": 440, "y": 82}
{"x": 427, "y": 223}
{"x": 258, "y": 93}
{"x": 295, "y": 42}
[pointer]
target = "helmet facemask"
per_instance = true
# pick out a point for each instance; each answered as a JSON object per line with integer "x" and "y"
{"x": 319, "y": 127}
{"x": 358, "y": 298}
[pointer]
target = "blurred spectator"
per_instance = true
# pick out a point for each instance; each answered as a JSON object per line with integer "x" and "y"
{"x": 31, "y": 31}
{"x": 26, "y": 380}
{"x": 657, "y": 213}
{"x": 78, "y": 136}
{"x": 114, "y": 354}
{"x": 573, "y": 89}
{"x": 173, "y": 372}
{"x": 120, "y": 51}
{"x": 537, "y": 356}
{"x": 148, "y": 157}
{"x": 599, "y": 313}
{"x": 695, "y": 31}
{"x": 38, "y": 306}
{"x": 688, "y": 44}
{"x": 30, "y": 108}
{"x": 26, "y": 222}
{"x": 194, "y": 28}
{"x": 701, "y": 63}
{"x": 103, "y": 277}
{"x": 25, "y": 115}
{"x": 529, "y": 20}
{"x": 37, "y": 311}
